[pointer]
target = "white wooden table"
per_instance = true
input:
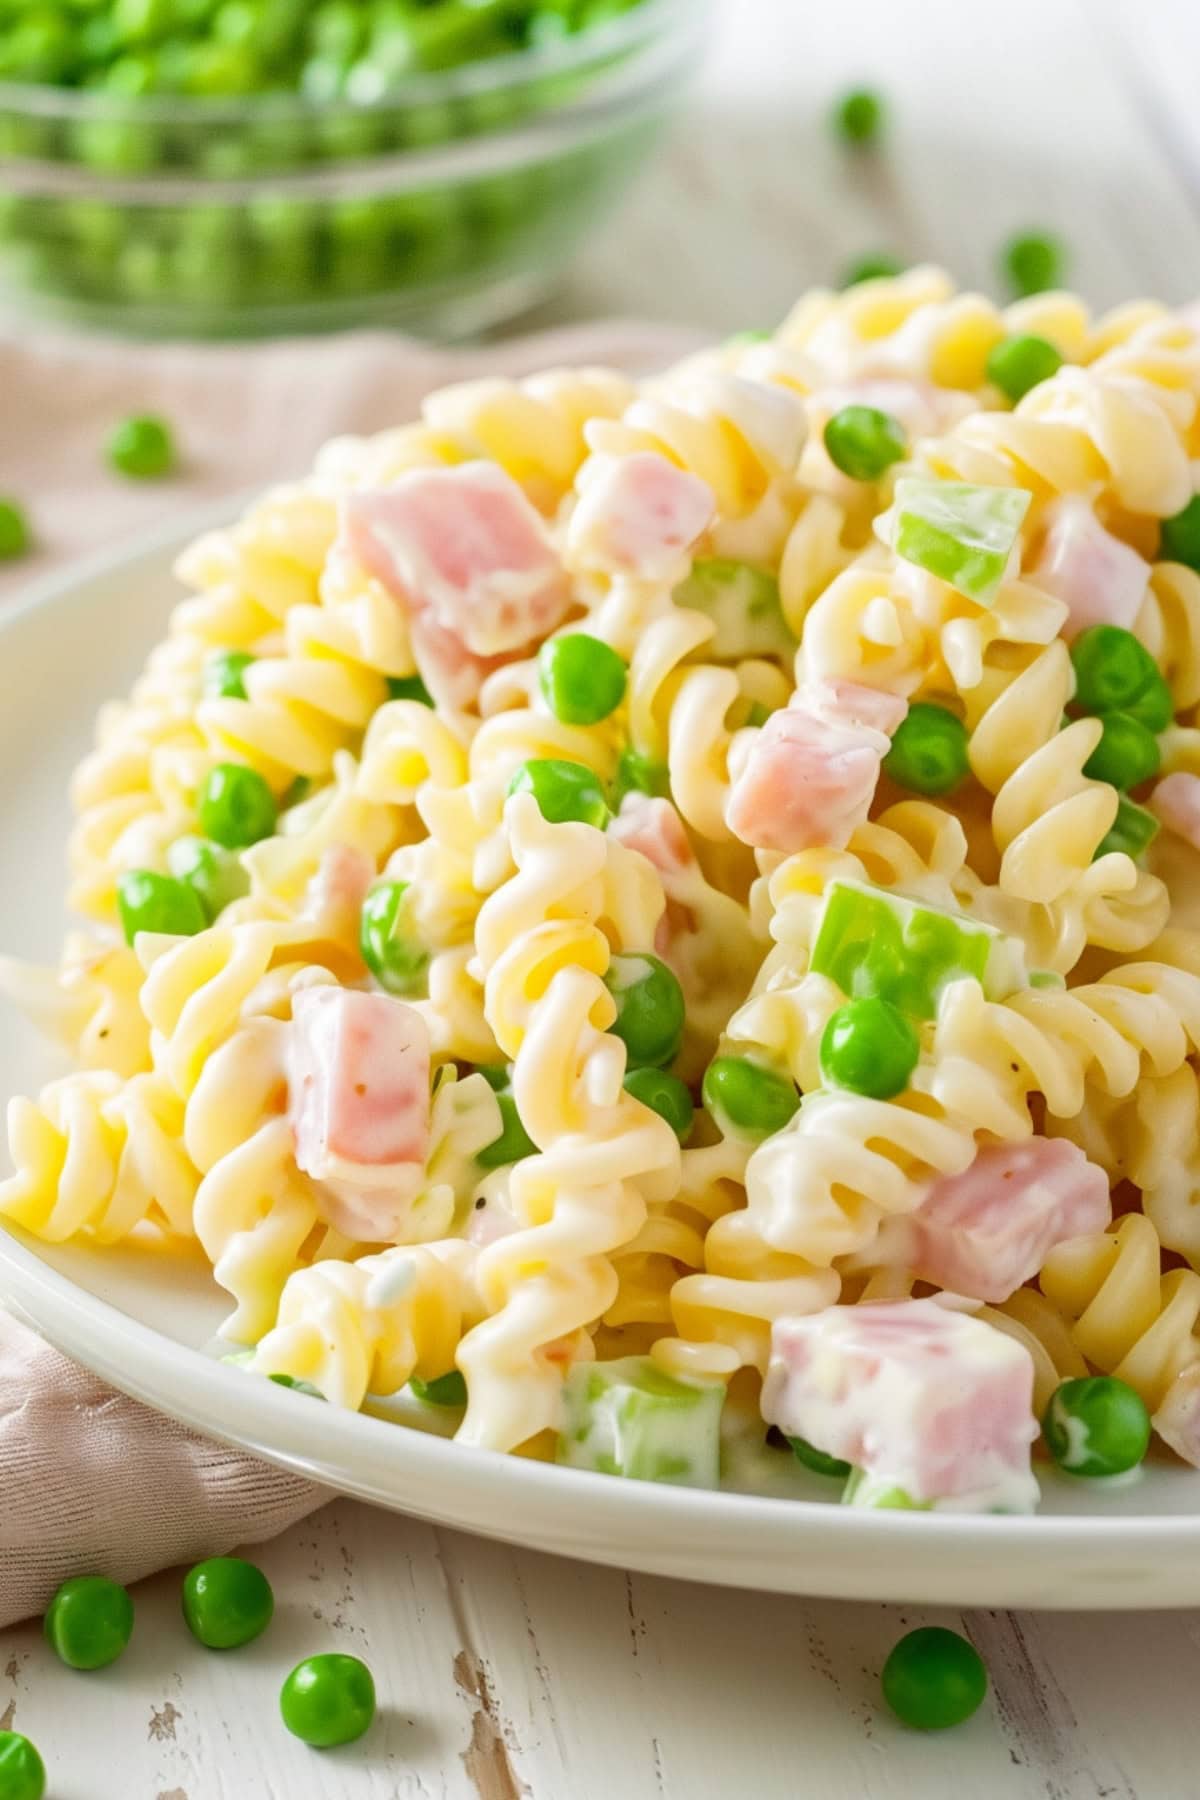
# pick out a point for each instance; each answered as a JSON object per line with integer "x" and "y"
{"x": 503, "y": 1673}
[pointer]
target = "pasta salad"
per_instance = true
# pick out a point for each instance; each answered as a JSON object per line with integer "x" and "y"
{"x": 632, "y": 921}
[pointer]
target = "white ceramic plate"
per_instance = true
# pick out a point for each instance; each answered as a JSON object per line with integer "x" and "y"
{"x": 147, "y": 1323}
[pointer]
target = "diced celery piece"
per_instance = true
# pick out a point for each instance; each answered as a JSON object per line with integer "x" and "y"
{"x": 959, "y": 532}
{"x": 743, "y": 603}
{"x": 874, "y": 944}
{"x": 872, "y": 1490}
{"x": 629, "y": 1418}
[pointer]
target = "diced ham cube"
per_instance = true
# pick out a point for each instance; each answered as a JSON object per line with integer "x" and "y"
{"x": 452, "y": 673}
{"x": 359, "y": 1105}
{"x": 339, "y": 887}
{"x": 1177, "y": 1420}
{"x": 985, "y": 1232}
{"x": 920, "y": 1397}
{"x": 1101, "y": 579}
{"x": 651, "y": 825}
{"x": 637, "y": 515}
{"x": 809, "y": 778}
{"x": 860, "y": 705}
{"x": 1176, "y": 802}
{"x": 465, "y": 546}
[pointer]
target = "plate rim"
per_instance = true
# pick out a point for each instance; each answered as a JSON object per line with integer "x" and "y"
{"x": 216, "y": 1399}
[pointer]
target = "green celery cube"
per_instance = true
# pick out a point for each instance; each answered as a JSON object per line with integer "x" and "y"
{"x": 628, "y": 1418}
{"x": 878, "y": 945}
{"x": 743, "y": 603}
{"x": 961, "y": 533}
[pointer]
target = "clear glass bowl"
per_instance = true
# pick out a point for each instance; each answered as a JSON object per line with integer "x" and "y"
{"x": 443, "y": 206}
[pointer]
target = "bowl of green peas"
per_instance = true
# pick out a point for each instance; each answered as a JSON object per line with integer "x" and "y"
{"x": 210, "y": 168}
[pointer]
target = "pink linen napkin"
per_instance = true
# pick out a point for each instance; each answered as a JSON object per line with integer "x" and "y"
{"x": 91, "y": 1481}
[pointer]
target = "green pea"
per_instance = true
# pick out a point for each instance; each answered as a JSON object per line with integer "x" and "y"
{"x": 89, "y": 1622}
{"x": 1112, "y": 669}
{"x": 582, "y": 679}
{"x": 1033, "y": 262}
{"x": 388, "y": 939}
{"x": 1017, "y": 364}
{"x": 140, "y": 21}
{"x": 148, "y": 901}
{"x": 409, "y": 687}
{"x": 235, "y": 806}
{"x": 817, "y": 1460}
{"x": 142, "y": 448}
{"x": 14, "y": 529}
{"x": 880, "y": 265}
{"x": 564, "y": 791}
{"x": 869, "y": 1047}
{"x": 446, "y": 1390}
{"x": 514, "y": 1142}
{"x": 858, "y": 116}
{"x": 666, "y": 1095}
{"x": 214, "y": 874}
{"x": 1132, "y": 832}
{"x": 864, "y": 442}
{"x": 295, "y": 793}
{"x": 934, "y": 1679}
{"x": 650, "y": 1008}
{"x": 929, "y": 750}
{"x": 747, "y": 1099}
{"x": 1126, "y": 755}
{"x": 638, "y": 774}
{"x": 223, "y": 677}
{"x": 226, "y": 1602}
{"x": 328, "y": 1700}
{"x": 1096, "y": 1426}
{"x": 22, "y": 1771}
{"x": 1179, "y": 540}
{"x": 1154, "y": 707}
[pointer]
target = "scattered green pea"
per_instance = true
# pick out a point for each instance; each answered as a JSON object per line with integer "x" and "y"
{"x": 1096, "y": 1426}
{"x": 409, "y": 687}
{"x": 15, "y": 535}
{"x": 224, "y": 672}
{"x": 445, "y": 1390}
{"x": 1133, "y": 831}
{"x": 864, "y": 442}
{"x": 817, "y": 1460}
{"x": 582, "y": 678}
{"x": 388, "y": 939}
{"x": 869, "y": 1047}
{"x": 1113, "y": 670}
{"x": 1017, "y": 364}
{"x": 295, "y": 792}
{"x": 22, "y": 1771}
{"x": 1033, "y": 262}
{"x": 929, "y": 750}
{"x": 564, "y": 791}
{"x": 148, "y": 901}
{"x": 859, "y": 116}
{"x": 666, "y": 1095}
{"x": 514, "y": 1142}
{"x": 226, "y": 1602}
{"x": 328, "y": 1700}
{"x": 214, "y": 874}
{"x": 142, "y": 448}
{"x": 747, "y": 1099}
{"x": 89, "y": 1622}
{"x": 235, "y": 806}
{"x": 650, "y": 1008}
{"x": 934, "y": 1679}
{"x": 1127, "y": 753}
{"x": 637, "y": 773}
{"x": 1179, "y": 539}
{"x": 880, "y": 265}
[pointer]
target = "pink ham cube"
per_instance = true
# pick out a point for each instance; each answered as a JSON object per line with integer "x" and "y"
{"x": 359, "y": 1104}
{"x": 638, "y": 514}
{"x": 1176, "y": 803}
{"x": 653, "y": 827}
{"x": 464, "y": 546}
{"x": 920, "y": 1398}
{"x": 1102, "y": 580}
{"x": 986, "y": 1232}
{"x": 1177, "y": 1420}
{"x": 811, "y": 775}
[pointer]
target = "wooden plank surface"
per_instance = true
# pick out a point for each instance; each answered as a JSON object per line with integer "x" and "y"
{"x": 502, "y": 1673}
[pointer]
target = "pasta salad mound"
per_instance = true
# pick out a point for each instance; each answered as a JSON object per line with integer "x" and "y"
{"x": 653, "y": 925}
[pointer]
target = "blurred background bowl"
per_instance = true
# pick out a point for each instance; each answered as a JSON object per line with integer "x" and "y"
{"x": 442, "y": 204}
